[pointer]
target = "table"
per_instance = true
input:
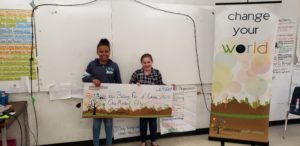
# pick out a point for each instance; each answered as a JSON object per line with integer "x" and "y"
{"x": 19, "y": 107}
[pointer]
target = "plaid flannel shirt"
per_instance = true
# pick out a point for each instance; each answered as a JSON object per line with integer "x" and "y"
{"x": 154, "y": 78}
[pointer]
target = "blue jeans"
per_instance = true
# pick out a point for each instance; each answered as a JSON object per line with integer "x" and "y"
{"x": 108, "y": 130}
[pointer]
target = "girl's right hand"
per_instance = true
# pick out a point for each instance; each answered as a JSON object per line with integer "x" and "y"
{"x": 96, "y": 82}
{"x": 174, "y": 86}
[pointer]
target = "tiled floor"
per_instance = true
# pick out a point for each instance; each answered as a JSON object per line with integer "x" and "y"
{"x": 293, "y": 139}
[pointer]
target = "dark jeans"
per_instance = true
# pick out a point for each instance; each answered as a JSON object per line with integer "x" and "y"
{"x": 144, "y": 126}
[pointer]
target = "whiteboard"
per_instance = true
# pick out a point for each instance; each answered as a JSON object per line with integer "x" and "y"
{"x": 169, "y": 38}
{"x": 67, "y": 39}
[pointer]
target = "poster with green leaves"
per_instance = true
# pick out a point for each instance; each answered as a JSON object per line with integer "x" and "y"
{"x": 242, "y": 73}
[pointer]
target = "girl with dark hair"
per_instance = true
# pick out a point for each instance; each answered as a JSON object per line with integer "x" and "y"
{"x": 102, "y": 70}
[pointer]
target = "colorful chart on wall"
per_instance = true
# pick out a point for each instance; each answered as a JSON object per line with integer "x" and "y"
{"x": 15, "y": 50}
{"x": 243, "y": 64}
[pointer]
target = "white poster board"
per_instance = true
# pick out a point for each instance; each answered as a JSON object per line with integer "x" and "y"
{"x": 183, "y": 117}
{"x": 283, "y": 67}
{"x": 126, "y": 127}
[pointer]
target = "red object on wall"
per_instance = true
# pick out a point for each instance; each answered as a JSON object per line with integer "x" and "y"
{"x": 10, "y": 142}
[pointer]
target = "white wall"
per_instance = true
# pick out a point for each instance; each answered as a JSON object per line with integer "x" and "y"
{"x": 60, "y": 121}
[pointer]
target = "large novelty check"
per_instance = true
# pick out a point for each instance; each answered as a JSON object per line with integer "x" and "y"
{"x": 127, "y": 100}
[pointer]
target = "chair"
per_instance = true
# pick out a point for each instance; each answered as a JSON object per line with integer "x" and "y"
{"x": 293, "y": 109}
